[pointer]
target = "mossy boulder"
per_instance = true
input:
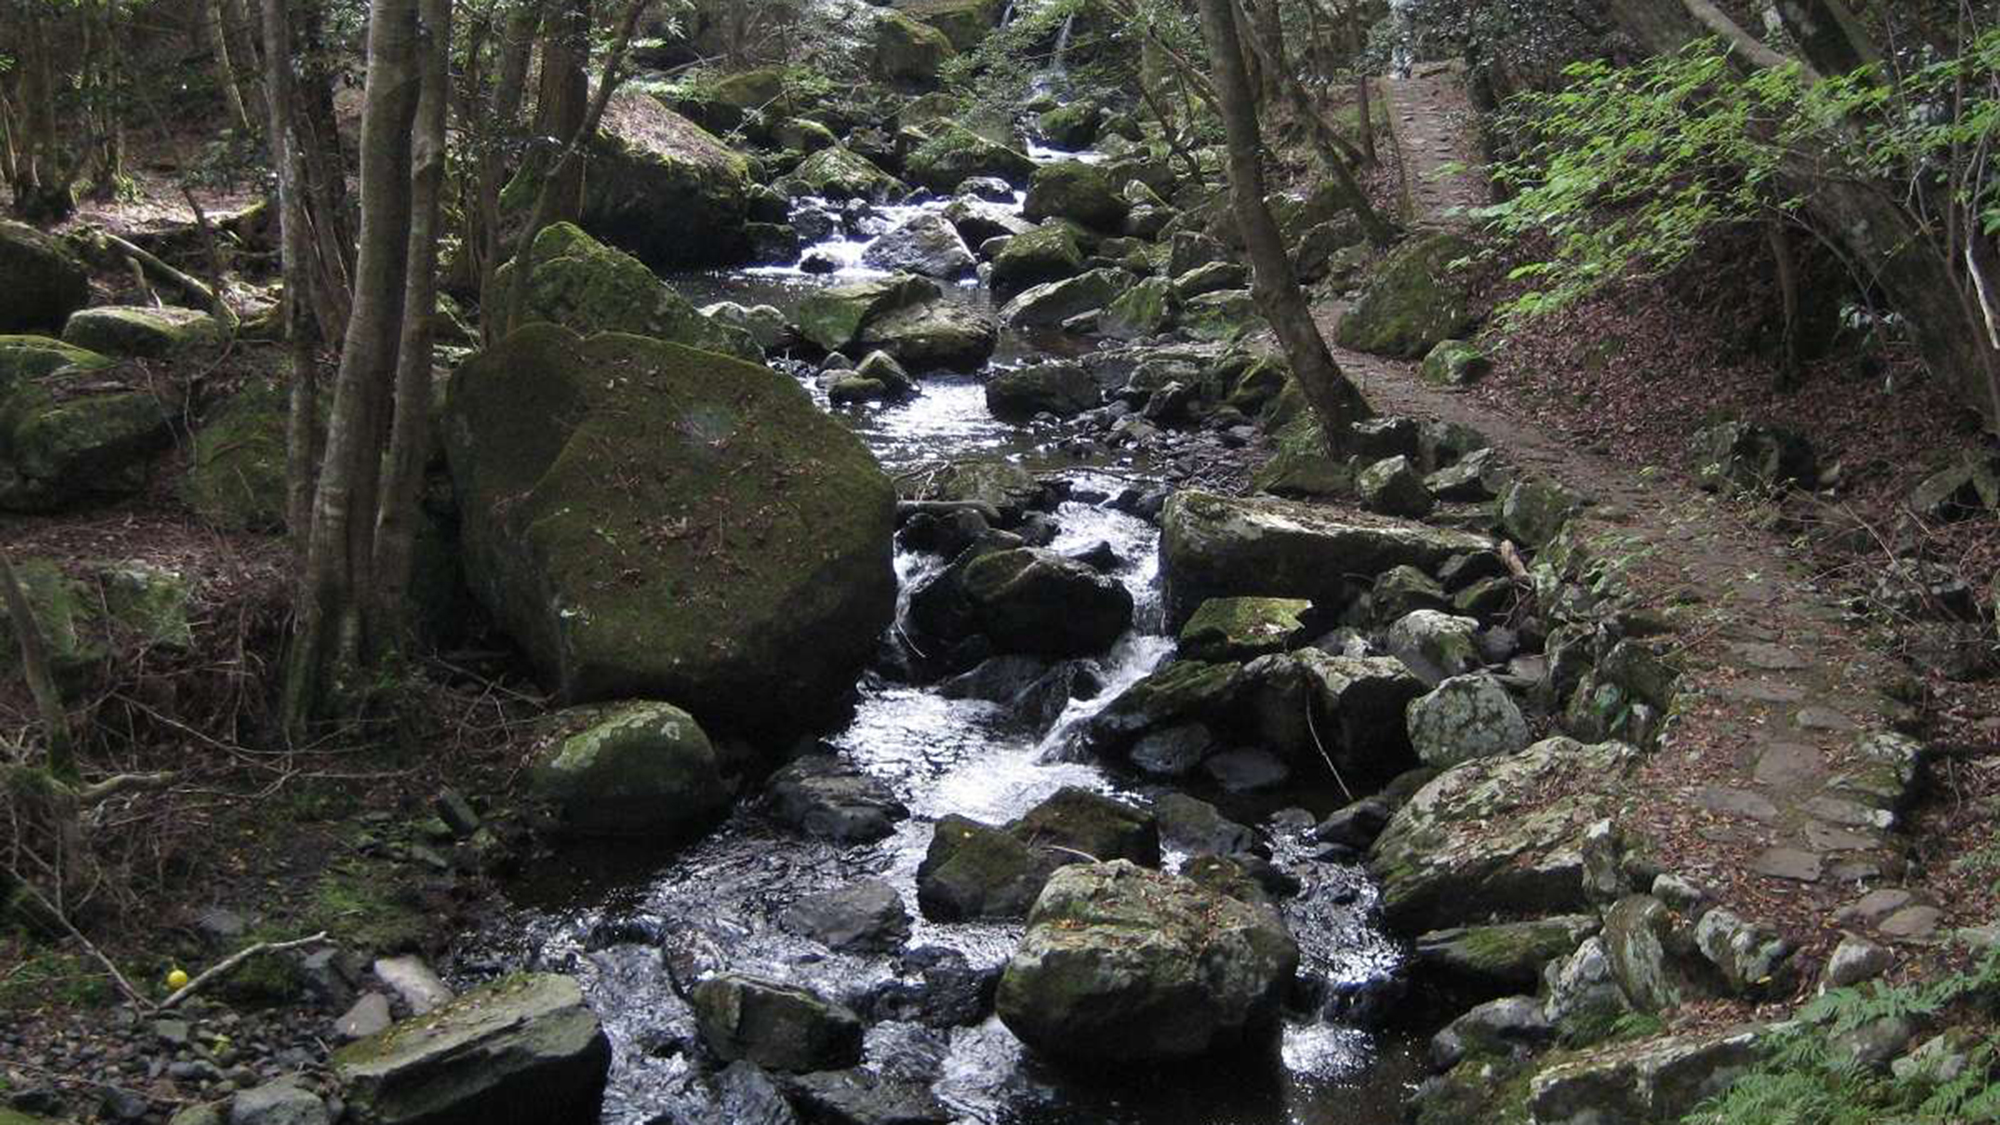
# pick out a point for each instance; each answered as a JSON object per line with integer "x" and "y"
{"x": 1080, "y": 192}
{"x": 141, "y": 331}
{"x": 1751, "y": 457}
{"x": 632, "y": 769}
{"x": 1227, "y": 314}
{"x": 59, "y": 448}
{"x": 1454, "y": 363}
{"x": 1146, "y": 309}
{"x": 803, "y": 134}
{"x": 1036, "y": 601}
{"x": 908, "y": 52}
{"x": 663, "y": 188}
{"x": 1122, "y": 964}
{"x": 1222, "y": 546}
{"x": 1484, "y": 962}
{"x": 973, "y": 870}
{"x": 33, "y": 357}
{"x": 1071, "y": 126}
{"x": 834, "y": 317}
{"x": 1394, "y": 487}
{"x": 1062, "y": 389}
{"x": 1533, "y": 510}
{"x": 1413, "y": 301}
{"x": 1243, "y": 628}
{"x": 1301, "y": 468}
{"x": 651, "y": 521}
{"x": 775, "y": 1025}
{"x": 236, "y": 474}
{"x": 45, "y": 281}
{"x": 1487, "y": 837}
{"x": 842, "y": 173}
{"x": 1048, "y": 305}
{"x": 1463, "y": 718}
{"x": 521, "y": 1051}
{"x": 947, "y": 333}
{"x": 65, "y": 609}
{"x": 955, "y": 154}
{"x": 963, "y": 22}
{"x": 1047, "y": 253}
{"x": 147, "y": 604}
{"x": 589, "y": 287}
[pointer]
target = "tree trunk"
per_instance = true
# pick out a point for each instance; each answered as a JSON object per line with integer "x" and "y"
{"x": 1275, "y": 287}
{"x": 302, "y": 330}
{"x": 561, "y": 100}
{"x": 1788, "y": 299}
{"x": 332, "y": 634}
{"x": 396, "y": 526}
{"x": 214, "y": 22}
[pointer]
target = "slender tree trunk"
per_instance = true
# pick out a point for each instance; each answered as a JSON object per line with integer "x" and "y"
{"x": 34, "y": 651}
{"x": 302, "y": 437}
{"x": 561, "y": 102}
{"x": 396, "y": 525}
{"x": 332, "y": 632}
{"x": 214, "y": 22}
{"x": 1786, "y": 271}
{"x": 1273, "y": 284}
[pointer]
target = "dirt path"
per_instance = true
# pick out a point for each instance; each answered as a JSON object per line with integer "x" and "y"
{"x": 1770, "y": 788}
{"x": 1436, "y": 134}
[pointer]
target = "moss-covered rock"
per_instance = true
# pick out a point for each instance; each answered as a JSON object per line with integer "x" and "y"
{"x": 236, "y": 474}
{"x": 633, "y": 769}
{"x": 94, "y": 445}
{"x": 1486, "y": 837}
{"x": 589, "y": 287}
{"x": 523, "y": 1049}
{"x": 954, "y": 154}
{"x": 1243, "y": 628}
{"x": 1071, "y": 126}
{"x": 66, "y": 613}
{"x": 1077, "y": 191}
{"x": 1048, "y": 305}
{"x": 1146, "y": 309}
{"x": 147, "y": 604}
{"x": 1413, "y": 301}
{"x": 834, "y": 317}
{"x": 1226, "y": 314}
{"x": 1483, "y": 962}
{"x": 45, "y": 281}
{"x": 1394, "y": 487}
{"x": 1124, "y": 964}
{"x": 664, "y": 188}
{"x": 1454, "y": 363}
{"x": 944, "y": 333}
{"x": 1036, "y": 601}
{"x": 1221, "y": 546}
{"x": 1533, "y": 510}
{"x": 1463, "y": 718}
{"x": 1738, "y": 457}
{"x": 963, "y": 22}
{"x": 973, "y": 870}
{"x": 652, "y": 521}
{"x": 1301, "y": 468}
{"x": 141, "y": 330}
{"x": 1047, "y": 253}
{"x": 842, "y": 173}
{"x": 774, "y": 1025}
{"x": 907, "y": 51}
{"x": 32, "y": 357}
{"x": 1061, "y": 389}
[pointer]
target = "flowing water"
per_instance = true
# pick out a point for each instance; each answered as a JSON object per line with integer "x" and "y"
{"x": 601, "y": 912}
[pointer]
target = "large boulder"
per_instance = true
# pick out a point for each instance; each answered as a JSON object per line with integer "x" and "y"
{"x": 37, "y": 357}
{"x": 842, "y": 173}
{"x": 1222, "y": 546}
{"x": 779, "y": 1026}
{"x": 926, "y": 244}
{"x": 522, "y": 1051}
{"x": 588, "y": 287}
{"x": 142, "y": 331}
{"x": 973, "y": 870}
{"x": 834, "y": 317}
{"x": 1648, "y": 1082}
{"x": 74, "y": 436}
{"x": 1034, "y": 600}
{"x": 907, "y": 51}
{"x": 963, "y": 22}
{"x": 664, "y": 188}
{"x": 634, "y": 769}
{"x": 956, "y": 154}
{"x": 694, "y": 529}
{"x": 1122, "y": 964}
{"x": 1483, "y": 838}
{"x": 944, "y": 333}
{"x": 236, "y": 478}
{"x": 1080, "y": 192}
{"x": 1061, "y": 389}
{"x": 1311, "y": 707}
{"x": 1146, "y": 309}
{"x": 1466, "y": 717}
{"x": 1413, "y": 301}
{"x": 1048, "y": 253}
{"x": 1243, "y": 628}
{"x": 45, "y": 282}
{"x": 1048, "y": 305}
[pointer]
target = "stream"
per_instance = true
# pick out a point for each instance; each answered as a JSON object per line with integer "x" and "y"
{"x": 605, "y": 913}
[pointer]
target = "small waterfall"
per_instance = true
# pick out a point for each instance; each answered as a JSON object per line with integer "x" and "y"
{"x": 1007, "y": 14}
{"x": 1061, "y": 58}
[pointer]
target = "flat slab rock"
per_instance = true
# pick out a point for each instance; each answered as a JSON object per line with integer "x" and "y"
{"x": 1656, "y": 1080}
{"x": 524, "y": 1050}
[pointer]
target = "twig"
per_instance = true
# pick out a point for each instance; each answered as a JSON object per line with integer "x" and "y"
{"x": 233, "y": 960}
{"x": 1312, "y": 728}
{"x": 96, "y": 954}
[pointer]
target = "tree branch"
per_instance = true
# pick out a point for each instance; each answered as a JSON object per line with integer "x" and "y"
{"x": 230, "y": 962}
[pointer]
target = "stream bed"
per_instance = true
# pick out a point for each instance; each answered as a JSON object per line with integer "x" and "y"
{"x": 620, "y": 918}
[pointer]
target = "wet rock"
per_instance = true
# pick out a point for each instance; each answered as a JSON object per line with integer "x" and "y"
{"x": 1463, "y": 718}
{"x": 974, "y": 870}
{"x": 1513, "y": 1025}
{"x": 1355, "y": 825}
{"x": 45, "y": 281}
{"x": 863, "y": 1097}
{"x": 517, "y": 1052}
{"x": 958, "y": 154}
{"x": 1309, "y": 706}
{"x": 1393, "y": 487}
{"x": 1217, "y": 546}
{"x": 947, "y": 991}
{"x": 833, "y": 318}
{"x": 954, "y": 335}
{"x": 1034, "y": 600}
{"x": 1246, "y": 770}
{"x": 841, "y": 173}
{"x": 865, "y": 917}
{"x": 1124, "y": 964}
{"x": 745, "y": 1095}
{"x": 1498, "y": 959}
{"x": 1463, "y": 844}
{"x": 579, "y": 573}
{"x": 925, "y": 244}
{"x": 1061, "y": 389}
{"x": 1146, "y": 309}
{"x": 1243, "y": 628}
{"x": 663, "y": 188}
{"x": 1435, "y": 646}
{"x": 1173, "y": 751}
{"x": 278, "y": 1103}
{"x": 1078, "y": 824}
{"x": 765, "y": 323}
{"x": 1180, "y": 692}
{"x": 635, "y": 769}
{"x": 827, "y": 797}
{"x": 1050, "y": 304}
{"x": 1198, "y": 828}
{"x": 774, "y": 1025}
